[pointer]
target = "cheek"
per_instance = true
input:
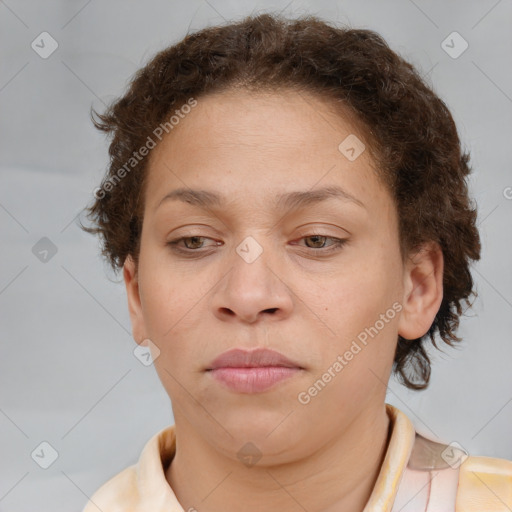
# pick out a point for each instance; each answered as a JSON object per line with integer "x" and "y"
{"x": 363, "y": 314}
{"x": 361, "y": 292}
{"x": 172, "y": 309}
{"x": 166, "y": 298}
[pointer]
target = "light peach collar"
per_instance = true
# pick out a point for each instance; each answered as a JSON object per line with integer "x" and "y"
{"x": 397, "y": 456}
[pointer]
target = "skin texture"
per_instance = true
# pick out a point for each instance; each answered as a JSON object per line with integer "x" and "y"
{"x": 307, "y": 304}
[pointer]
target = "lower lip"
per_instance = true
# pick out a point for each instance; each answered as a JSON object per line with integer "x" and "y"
{"x": 253, "y": 380}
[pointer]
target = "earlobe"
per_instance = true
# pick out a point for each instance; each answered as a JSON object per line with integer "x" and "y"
{"x": 423, "y": 291}
{"x": 131, "y": 280}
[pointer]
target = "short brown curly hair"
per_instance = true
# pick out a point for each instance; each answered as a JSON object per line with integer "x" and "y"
{"x": 410, "y": 131}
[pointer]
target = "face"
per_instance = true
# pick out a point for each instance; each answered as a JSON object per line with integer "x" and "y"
{"x": 298, "y": 253}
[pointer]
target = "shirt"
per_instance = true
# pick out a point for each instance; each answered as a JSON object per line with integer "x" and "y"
{"x": 417, "y": 475}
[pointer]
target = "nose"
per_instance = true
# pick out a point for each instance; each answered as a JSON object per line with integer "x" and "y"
{"x": 251, "y": 291}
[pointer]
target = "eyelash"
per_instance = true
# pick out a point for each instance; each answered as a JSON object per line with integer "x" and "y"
{"x": 336, "y": 246}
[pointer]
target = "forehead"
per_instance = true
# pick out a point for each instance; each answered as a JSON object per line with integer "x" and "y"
{"x": 281, "y": 119}
{"x": 252, "y": 145}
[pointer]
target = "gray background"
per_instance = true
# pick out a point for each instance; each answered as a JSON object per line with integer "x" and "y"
{"x": 68, "y": 375}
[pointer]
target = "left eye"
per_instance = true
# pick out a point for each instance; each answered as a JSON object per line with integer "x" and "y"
{"x": 318, "y": 239}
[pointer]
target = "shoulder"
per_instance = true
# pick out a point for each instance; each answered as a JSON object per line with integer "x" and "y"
{"x": 141, "y": 486}
{"x": 117, "y": 494}
{"x": 485, "y": 483}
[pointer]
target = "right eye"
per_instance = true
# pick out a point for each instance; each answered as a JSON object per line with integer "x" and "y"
{"x": 194, "y": 241}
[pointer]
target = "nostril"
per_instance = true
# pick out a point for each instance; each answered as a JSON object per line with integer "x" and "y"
{"x": 271, "y": 310}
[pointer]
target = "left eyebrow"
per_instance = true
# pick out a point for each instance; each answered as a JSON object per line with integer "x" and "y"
{"x": 290, "y": 200}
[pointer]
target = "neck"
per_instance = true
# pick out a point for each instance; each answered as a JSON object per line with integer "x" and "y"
{"x": 339, "y": 475}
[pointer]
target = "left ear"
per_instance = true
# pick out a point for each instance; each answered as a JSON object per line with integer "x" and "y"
{"x": 423, "y": 291}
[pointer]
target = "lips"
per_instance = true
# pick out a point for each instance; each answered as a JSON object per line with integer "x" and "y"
{"x": 252, "y": 371}
{"x": 261, "y": 357}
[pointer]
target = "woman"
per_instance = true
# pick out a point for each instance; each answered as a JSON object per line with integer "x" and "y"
{"x": 288, "y": 203}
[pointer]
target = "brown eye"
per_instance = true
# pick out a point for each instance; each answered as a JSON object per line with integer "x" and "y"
{"x": 190, "y": 245}
{"x": 194, "y": 241}
{"x": 317, "y": 244}
{"x": 318, "y": 241}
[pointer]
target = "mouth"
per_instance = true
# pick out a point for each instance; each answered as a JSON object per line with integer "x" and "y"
{"x": 252, "y": 371}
